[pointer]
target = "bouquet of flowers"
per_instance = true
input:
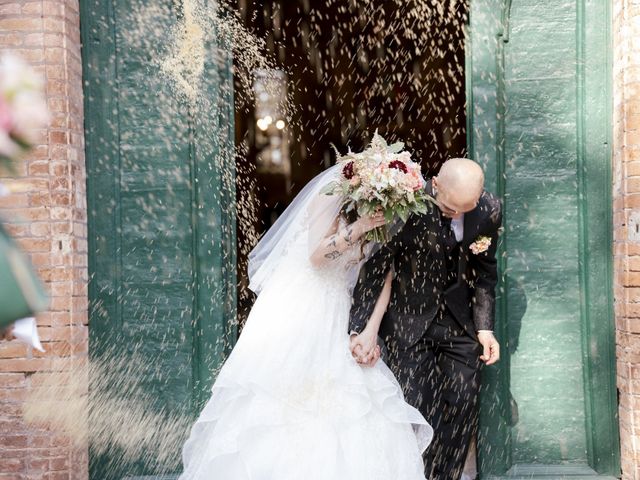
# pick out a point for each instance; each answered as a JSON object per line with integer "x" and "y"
{"x": 382, "y": 177}
{"x": 23, "y": 108}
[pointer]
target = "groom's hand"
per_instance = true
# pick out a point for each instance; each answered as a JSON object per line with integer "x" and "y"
{"x": 364, "y": 349}
{"x": 373, "y": 357}
{"x": 490, "y": 347}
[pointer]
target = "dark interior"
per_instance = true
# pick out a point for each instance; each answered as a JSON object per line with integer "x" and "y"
{"x": 351, "y": 68}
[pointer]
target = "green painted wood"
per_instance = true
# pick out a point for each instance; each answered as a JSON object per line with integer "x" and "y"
{"x": 539, "y": 121}
{"x": 161, "y": 220}
{"x": 555, "y": 472}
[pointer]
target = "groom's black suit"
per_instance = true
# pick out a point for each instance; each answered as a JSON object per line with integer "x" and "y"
{"x": 442, "y": 294}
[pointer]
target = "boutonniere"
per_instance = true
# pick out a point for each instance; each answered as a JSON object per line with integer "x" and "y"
{"x": 481, "y": 245}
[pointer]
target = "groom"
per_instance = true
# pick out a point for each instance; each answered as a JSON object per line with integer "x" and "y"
{"x": 438, "y": 327}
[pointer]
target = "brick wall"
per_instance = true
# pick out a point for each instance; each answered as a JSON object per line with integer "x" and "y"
{"x": 47, "y": 214}
{"x": 626, "y": 165}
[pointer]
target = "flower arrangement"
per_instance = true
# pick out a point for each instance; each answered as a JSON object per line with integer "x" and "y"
{"x": 481, "y": 245}
{"x": 23, "y": 108}
{"x": 382, "y": 177}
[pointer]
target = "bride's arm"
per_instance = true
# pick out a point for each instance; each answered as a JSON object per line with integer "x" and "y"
{"x": 339, "y": 239}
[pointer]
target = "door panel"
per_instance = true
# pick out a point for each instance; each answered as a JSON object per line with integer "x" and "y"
{"x": 539, "y": 121}
{"x": 161, "y": 225}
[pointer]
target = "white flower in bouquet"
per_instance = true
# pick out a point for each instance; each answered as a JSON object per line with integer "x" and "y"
{"x": 382, "y": 177}
{"x": 23, "y": 108}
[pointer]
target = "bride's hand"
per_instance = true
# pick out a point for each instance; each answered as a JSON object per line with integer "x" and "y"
{"x": 364, "y": 347}
{"x": 369, "y": 222}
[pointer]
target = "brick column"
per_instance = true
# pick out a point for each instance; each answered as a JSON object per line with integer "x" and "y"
{"x": 47, "y": 214}
{"x": 626, "y": 194}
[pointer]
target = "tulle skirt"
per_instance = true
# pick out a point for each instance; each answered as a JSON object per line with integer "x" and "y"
{"x": 291, "y": 403}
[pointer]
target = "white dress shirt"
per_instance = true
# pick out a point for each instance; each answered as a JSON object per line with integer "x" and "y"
{"x": 457, "y": 225}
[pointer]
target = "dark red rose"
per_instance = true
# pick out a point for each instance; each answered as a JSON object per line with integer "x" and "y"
{"x": 348, "y": 171}
{"x": 399, "y": 165}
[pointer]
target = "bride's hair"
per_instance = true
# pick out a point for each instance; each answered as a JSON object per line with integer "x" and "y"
{"x": 349, "y": 216}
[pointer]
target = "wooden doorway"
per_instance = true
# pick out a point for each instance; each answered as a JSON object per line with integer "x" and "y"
{"x": 540, "y": 101}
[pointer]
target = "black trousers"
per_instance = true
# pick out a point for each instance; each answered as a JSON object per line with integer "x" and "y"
{"x": 440, "y": 377}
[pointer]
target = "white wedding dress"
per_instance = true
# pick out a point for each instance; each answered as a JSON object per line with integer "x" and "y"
{"x": 291, "y": 403}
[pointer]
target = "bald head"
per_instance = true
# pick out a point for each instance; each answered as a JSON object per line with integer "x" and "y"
{"x": 458, "y": 186}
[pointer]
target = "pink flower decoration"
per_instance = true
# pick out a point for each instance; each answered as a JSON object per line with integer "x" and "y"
{"x": 481, "y": 245}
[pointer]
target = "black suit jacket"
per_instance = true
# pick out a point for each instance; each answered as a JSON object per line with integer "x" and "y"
{"x": 420, "y": 286}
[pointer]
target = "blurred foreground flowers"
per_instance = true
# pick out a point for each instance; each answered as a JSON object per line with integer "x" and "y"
{"x": 23, "y": 112}
{"x": 23, "y": 108}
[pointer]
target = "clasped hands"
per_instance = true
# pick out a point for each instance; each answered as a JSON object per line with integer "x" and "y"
{"x": 364, "y": 347}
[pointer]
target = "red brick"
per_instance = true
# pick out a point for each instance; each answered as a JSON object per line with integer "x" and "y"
{"x": 632, "y": 279}
{"x": 12, "y": 380}
{"x": 59, "y": 213}
{"x": 57, "y": 105}
{"x": 56, "y": 136}
{"x": 59, "y": 228}
{"x": 54, "y": 55}
{"x": 12, "y": 465}
{"x": 10, "y": 9}
{"x": 57, "y": 476}
{"x": 633, "y": 168}
{"x": 61, "y": 463}
{"x": 14, "y": 441}
{"x": 54, "y": 333}
{"x": 11, "y": 39}
{"x": 14, "y": 200}
{"x": 35, "y": 244}
{"x": 38, "y": 168}
{"x": 40, "y": 465}
{"x": 40, "y": 229}
{"x": 17, "y": 229}
{"x": 39, "y": 152}
{"x": 34, "y": 40}
{"x": 24, "y": 365}
{"x": 54, "y": 25}
{"x": 32, "y": 213}
{"x": 20, "y": 24}
{"x": 632, "y": 201}
{"x": 54, "y": 39}
{"x": 59, "y": 349}
{"x": 30, "y": 55}
{"x": 32, "y": 8}
{"x": 56, "y": 71}
{"x": 12, "y": 350}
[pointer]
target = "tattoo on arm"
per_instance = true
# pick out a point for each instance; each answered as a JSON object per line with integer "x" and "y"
{"x": 347, "y": 236}
{"x": 333, "y": 255}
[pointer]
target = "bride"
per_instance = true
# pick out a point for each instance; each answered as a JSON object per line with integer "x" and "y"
{"x": 291, "y": 402}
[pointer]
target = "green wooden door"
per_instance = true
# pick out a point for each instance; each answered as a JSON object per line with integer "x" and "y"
{"x": 161, "y": 227}
{"x": 538, "y": 86}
